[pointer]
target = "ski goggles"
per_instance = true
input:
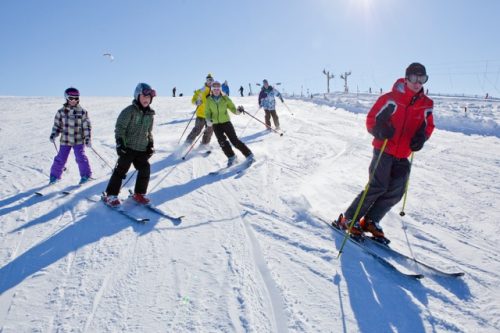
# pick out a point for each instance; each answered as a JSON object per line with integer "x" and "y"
{"x": 73, "y": 98}
{"x": 414, "y": 78}
{"x": 148, "y": 92}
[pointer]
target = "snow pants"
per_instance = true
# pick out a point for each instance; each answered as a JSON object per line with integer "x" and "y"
{"x": 62, "y": 157}
{"x": 267, "y": 118}
{"x": 385, "y": 189}
{"x": 140, "y": 161}
{"x": 199, "y": 124}
{"x": 227, "y": 129}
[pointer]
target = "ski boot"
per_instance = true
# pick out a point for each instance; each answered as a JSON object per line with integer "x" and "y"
{"x": 141, "y": 198}
{"x": 231, "y": 160}
{"x": 374, "y": 228}
{"x": 111, "y": 200}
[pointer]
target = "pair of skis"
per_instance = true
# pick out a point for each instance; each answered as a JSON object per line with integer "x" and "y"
{"x": 238, "y": 168}
{"x": 365, "y": 243}
{"x": 176, "y": 220}
{"x": 52, "y": 187}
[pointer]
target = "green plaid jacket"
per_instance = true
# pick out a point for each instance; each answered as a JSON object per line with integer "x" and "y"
{"x": 135, "y": 127}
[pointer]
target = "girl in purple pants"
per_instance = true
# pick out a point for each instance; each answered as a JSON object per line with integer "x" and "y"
{"x": 73, "y": 123}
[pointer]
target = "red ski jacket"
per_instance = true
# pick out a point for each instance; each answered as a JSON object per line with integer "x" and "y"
{"x": 413, "y": 111}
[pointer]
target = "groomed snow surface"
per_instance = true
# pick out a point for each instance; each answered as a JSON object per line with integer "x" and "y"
{"x": 250, "y": 254}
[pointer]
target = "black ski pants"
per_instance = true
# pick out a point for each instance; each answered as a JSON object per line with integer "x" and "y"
{"x": 227, "y": 129}
{"x": 385, "y": 189}
{"x": 140, "y": 161}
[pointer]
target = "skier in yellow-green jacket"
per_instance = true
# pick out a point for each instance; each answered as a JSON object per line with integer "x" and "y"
{"x": 218, "y": 118}
{"x": 200, "y": 99}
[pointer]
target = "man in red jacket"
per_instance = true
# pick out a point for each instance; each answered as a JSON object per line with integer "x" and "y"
{"x": 403, "y": 117}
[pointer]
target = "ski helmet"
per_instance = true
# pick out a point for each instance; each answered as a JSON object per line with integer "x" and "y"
{"x": 71, "y": 92}
{"x": 415, "y": 68}
{"x": 145, "y": 90}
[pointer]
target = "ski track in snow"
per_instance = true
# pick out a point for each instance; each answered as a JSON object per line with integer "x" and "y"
{"x": 249, "y": 256}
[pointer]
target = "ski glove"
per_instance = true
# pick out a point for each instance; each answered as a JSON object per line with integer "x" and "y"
{"x": 209, "y": 123}
{"x": 383, "y": 131}
{"x": 150, "y": 150}
{"x": 52, "y": 138}
{"x": 240, "y": 109}
{"x": 120, "y": 148}
{"x": 383, "y": 128}
{"x": 198, "y": 102}
{"x": 418, "y": 140}
{"x": 87, "y": 142}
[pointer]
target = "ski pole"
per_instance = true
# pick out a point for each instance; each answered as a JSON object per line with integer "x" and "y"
{"x": 287, "y": 108}
{"x": 57, "y": 152}
{"x": 402, "y": 212}
{"x": 105, "y": 162}
{"x": 260, "y": 121}
{"x": 246, "y": 126}
{"x": 162, "y": 178}
{"x": 129, "y": 178}
{"x": 193, "y": 144}
{"x": 358, "y": 208}
{"x": 192, "y": 116}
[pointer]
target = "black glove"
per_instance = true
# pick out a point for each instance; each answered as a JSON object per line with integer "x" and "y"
{"x": 383, "y": 131}
{"x": 150, "y": 150}
{"x": 383, "y": 128}
{"x": 121, "y": 150}
{"x": 241, "y": 109}
{"x": 418, "y": 140}
{"x": 52, "y": 138}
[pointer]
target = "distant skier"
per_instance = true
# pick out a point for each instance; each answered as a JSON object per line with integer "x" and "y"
{"x": 218, "y": 117}
{"x": 134, "y": 145}
{"x": 267, "y": 101}
{"x": 173, "y": 91}
{"x": 73, "y": 123}
{"x": 404, "y": 118}
{"x": 199, "y": 99}
{"x": 225, "y": 88}
{"x": 241, "y": 91}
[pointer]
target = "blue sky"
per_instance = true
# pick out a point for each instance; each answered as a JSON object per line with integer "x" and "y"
{"x": 50, "y": 45}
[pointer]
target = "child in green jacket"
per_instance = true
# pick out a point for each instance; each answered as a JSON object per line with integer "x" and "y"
{"x": 217, "y": 116}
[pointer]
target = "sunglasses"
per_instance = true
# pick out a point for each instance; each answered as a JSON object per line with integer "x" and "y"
{"x": 414, "y": 78}
{"x": 216, "y": 88}
{"x": 73, "y": 98}
{"x": 148, "y": 92}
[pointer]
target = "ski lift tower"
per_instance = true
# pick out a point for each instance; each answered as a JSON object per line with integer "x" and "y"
{"x": 328, "y": 78}
{"x": 344, "y": 77}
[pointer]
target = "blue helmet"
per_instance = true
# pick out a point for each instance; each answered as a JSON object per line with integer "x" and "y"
{"x": 144, "y": 89}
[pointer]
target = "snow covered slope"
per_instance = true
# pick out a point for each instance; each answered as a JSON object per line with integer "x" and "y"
{"x": 250, "y": 254}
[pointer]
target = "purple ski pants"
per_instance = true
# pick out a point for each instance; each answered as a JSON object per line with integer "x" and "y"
{"x": 60, "y": 161}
